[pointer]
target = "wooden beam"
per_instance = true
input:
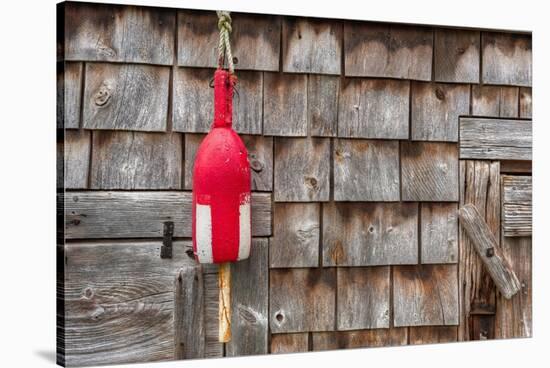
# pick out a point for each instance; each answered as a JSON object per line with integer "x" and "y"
{"x": 487, "y": 247}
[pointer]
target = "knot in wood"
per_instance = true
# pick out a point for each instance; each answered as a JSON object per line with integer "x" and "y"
{"x": 255, "y": 164}
{"x": 460, "y": 50}
{"x": 439, "y": 94}
{"x": 311, "y": 182}
{"x": 103, "y": 95}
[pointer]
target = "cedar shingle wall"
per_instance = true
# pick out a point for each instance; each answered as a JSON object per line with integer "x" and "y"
{"x": 353, "y": 137}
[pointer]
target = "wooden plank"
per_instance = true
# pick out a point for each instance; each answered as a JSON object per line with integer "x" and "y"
{"x": 514, "y": 317}
{"x": 189, "y": 313}
{"x": 487, "y": 247}
{"x": 296, "y": 230}
{"x": 363, "y": 299}
{"x": 374, "y": 108}
{"x": 456, "y": 55}
{"x": 302, "y": 167}
{"x": 359, "y": 339}
{"x": 77, "y": 158}
{"x": 98, "y": 214}
{"x": 516, "y": 167}
{"x": 406, "y": 50}
{"x": 69, "y": 94}
{"x": 432, "y": 334}
{"x": 135, "y": 160}
{"x": 480, "y": 186}
{"x": 260, "y": 156}
{"x": 322, "y": 104}
{"x": 289, "y": 343}
{"x": 214, "y": 348}
{"x": 439, "y": 233}
{"x": 285, "y": 104}
{"x": 255, "y": 40}
{"x": 249, "y": 303}
{"x": 308, "y": 305}
{"x": 506, "y": 59}
{"x": 495, "y": 139}
{"x": 119, "y": 302}
{"x": 517, "y": 206}
{"x": 525, "y": 103}
{"x": 435, "y": 110}
{"x": 429, "y": 172}
{"x": 366, "y": 170}
{"x": 312, "y": 45}
{"x": 247, "y": 104}
{"x": 497, "y": 101}
{"x": 370, "y": 234}
{"x": 126, "y": 97}
{"x": 100, "y": 32}
{"x": 425, "y": 295}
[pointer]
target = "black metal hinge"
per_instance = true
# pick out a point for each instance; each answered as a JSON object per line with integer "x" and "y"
{"x": 168, "y": 233}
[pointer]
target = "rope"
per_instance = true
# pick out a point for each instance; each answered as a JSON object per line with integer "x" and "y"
{"x": 224, "y": 47}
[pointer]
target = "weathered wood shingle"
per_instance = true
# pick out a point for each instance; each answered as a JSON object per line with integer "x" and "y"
{"x": 285, "y": 104}
{"x": 77, "y": 147}
{"x": 456, "y": 56}
{"x": 439, "y": 233}
{"x": 525, "y": 103}
{"x": 506, "y": 59}
{"x": 284, "y": 343}
{"x": 374, "y": 108}
{"x": 359, "y": 338}
{"x": 517, "y": 206}
{"x": 131, "y": 34}
{"x": 497, "y": 101}
{"x": 406, "y": 51}
{"x": 322, "y": 104}
{"x": 432, "y": 334}
{"x": 126, "y": 97}
{"x": 312, "y": 45}
{"x": 69, "y": 94}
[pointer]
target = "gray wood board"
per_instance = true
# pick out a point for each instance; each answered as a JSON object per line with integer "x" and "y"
{"x": 136, "y": 160}
{"x": 369, "y": 234}
{"x": 429, "y": 171}
{"x": 296, "y": 231}
{"x": 131, "y": 34}
{"x": 497, "y": 101}
{"x": 406, "y": 50}
{"x": 69, "y": 94}
{"x": 456, "y": 55}
{"x": 126, "y": 97}
{"x": 308, "y": 305}
{"x": 98, "y": 214}
{"x": 495, "y": 139}
{"x": 359, "y": 338}
{"x": 525, "y": 103}
{"x": 289, "y": 343}
{"x": 323, "y": 92}
{"x": 517, "y": 205}
{"x": 312, "y": 45}
{"x": 374, "y": 108}
{"x": 366, "y": 170}
{"x": 302, "y": 167}
{"x": 506, "y": 59}
{"x": 425, "y": 295}
{"x": 439, "y": 233}
{"x": 77, "y": 158}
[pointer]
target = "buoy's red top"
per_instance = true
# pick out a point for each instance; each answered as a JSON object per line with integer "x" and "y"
{"x": 221, "y": 185}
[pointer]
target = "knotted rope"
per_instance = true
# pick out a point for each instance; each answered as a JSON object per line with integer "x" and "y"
{"x": 224, "y": 47}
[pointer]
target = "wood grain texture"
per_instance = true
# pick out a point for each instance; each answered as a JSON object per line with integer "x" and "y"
{"x": 120, "y": 214}
{"x": 131, "y": 34}
{"x": 119, "y": 302}
{"x": 495, "y": 139}
{"x": 363, "y": 299}
{"x": 260, "y": 156}
{"x": 432, "y": 334}
{"x": 296, "y": 230}
{"x": 136, "y": 160}
{"x": 406, "y": 50}
{"x": 312, "y": 45}
{"x": 77, "y": 158}
{"x": 214, "y": 348}
{"x": 249, "y": 303}
{"x": 429, "y": 171}
{"x": 359, "y": 339}
{"x": 516, "y": 167}
{"x": 435, "y": 110}
{"x": 425, "y": 295}
{"x": 480, "y": 186}
{"x": 483, "y": 240}
{"x": 285, "y": 104}
{"x": 69, "y": 94}
{"x": 506, "y": 59}
{"x": 374, "y": 108}
{"x": 322, "y": 104}
{"x": 309, "y": 305}
{"x": 439, "y": 232}
{"x": 126, "y": 97}
{"x": 370, "y": 234}
{"x": 525, "y": 103}
{"x": 497, "y": 101}
{"x": 255, "y": 40}
{"x": 366, "y": 170}
{"x": 289, "y": 343}
{"x": 189, "y": 334}
{"x": 456, "y": 55}
{"x": 517, "y": 205}
{"x": 302, "y": 167}
{"x": 514, "y": 318}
